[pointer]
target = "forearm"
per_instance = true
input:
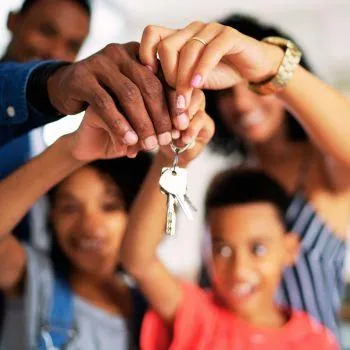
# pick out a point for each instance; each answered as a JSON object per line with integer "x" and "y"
{"x": 146, "y": 224}
{"x": 138, "y": 253}
{"x": 323, "y": 112}
{"x": 24, "y": 103}
{"x": 20, "y": 190}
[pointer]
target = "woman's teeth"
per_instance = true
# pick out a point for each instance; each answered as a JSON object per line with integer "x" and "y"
{"x": 251, "y": 119}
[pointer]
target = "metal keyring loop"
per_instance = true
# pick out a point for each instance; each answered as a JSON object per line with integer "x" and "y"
{"x": 179, "y": 150}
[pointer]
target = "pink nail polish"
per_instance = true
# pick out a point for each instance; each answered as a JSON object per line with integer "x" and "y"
{"x": 180, "y": 102}
{"x": 196, "y": 81}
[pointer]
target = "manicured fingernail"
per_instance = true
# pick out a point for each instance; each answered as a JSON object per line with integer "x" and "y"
{"x": 149, "y": 67}
{"x": 150, "y": 143}
{"x": 180, "y": 102}
{"x": 164, "y": 139}
{"x": 175, "y": 134}
{"x": 130, "y": 138}
{"x": 196, "y": 81}
{"x": 183, "y": 121}
{"x": 187, "y": 139}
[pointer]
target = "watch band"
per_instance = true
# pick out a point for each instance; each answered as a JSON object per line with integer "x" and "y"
{"x": 290, "y": 61}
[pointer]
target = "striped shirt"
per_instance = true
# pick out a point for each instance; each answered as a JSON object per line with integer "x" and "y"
{"x": 315, "y": 283}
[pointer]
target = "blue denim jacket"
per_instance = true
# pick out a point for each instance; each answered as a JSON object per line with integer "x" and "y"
{"x": 17, "y": 116}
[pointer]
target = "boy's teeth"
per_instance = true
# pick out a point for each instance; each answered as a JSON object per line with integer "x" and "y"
{"x": 242, "y": 289}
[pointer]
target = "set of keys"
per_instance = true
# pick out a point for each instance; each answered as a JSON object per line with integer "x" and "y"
{"x": 173, "y": 183}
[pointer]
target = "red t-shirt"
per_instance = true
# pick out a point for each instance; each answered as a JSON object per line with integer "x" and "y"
{"x": 202, "y": 324}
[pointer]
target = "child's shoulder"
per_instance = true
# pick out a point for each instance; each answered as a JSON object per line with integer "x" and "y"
{"x": 305, "y": 328}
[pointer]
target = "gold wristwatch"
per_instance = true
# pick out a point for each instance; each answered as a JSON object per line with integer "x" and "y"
{"x": 291, "y": 59}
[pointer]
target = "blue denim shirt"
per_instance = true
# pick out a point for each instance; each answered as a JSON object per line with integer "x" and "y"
{"x": 17, "y": 116}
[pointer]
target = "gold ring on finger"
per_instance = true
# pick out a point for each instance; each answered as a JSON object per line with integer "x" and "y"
{"x": 200, "y": 40}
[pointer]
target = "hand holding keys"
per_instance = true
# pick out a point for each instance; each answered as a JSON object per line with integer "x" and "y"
{"x": 173, "y": 183}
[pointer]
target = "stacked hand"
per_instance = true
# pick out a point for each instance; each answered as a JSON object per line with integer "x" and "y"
{"x": 210, "y": 56}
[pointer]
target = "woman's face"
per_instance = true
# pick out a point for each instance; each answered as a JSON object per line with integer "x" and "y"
{"x": 255, "y": 119}
{"x": 89, "y": 218}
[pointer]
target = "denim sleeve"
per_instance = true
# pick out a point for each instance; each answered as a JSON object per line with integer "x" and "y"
{"x": 16, "y": 114}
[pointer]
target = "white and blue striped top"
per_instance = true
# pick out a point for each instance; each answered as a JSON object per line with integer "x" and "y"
{"x": 315, "y": 282}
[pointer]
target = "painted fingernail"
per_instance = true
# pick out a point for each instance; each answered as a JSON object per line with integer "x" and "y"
{"x": 180, "y": 102}
{"x": 164, "y": 139}
{"x": 175, "y": 134}
{"x": 150, "y": 143}
{"x": 187, "y": 139}
{"x": 183, "y": 121}
{"x": 130, "y": 138}
{"x": 196, "y": 81}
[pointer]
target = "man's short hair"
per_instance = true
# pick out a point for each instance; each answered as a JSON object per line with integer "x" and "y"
{"x": 85, "y": 4}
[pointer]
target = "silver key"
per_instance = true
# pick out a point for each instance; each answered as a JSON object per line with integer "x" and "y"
{"x": 174, "y": 181}
{"x": 170, "y": 226}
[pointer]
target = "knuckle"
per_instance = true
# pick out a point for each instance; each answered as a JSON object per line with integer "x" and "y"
{"x": 197, "y": 24}
{"x": 143, "y": 126}
{"x": 110, "y": 49}
{"x": 214, "y": 26}
{"x": 130, "y": 92}
{"x": 164, "y": 47}
{"x": 229, "y": 30}
{"x": 150, "y": 30}
{"x": 152, "y": 87}
{"x": 102, "y": 101}
{"x": 163, "y": 124}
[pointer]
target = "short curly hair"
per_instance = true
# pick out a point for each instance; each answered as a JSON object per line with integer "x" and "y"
{"x": 85, "y": 4}
{"x": 224, "y": 140}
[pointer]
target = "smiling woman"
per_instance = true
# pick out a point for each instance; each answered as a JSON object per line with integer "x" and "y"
{"x": 79, "y": 286}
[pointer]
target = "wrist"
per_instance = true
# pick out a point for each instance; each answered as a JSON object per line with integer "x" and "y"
{"x": 37, "y": 89}
{"x": 275, "y": 55}
{"x": 66, "y": 144}
{"x": 53, "y": 85}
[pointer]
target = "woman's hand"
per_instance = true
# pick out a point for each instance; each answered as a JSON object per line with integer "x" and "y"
{"x": 200, "y": 132}
{"x": 94, "y": 140}
{"x": 210, "y": 56}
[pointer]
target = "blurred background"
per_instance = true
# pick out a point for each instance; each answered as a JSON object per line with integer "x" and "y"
{"x": 322, "y": 28}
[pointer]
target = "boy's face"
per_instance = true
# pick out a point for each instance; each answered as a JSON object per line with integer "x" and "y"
{"x": 250, "y": 250}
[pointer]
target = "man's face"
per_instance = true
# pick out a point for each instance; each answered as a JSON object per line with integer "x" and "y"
{"x": 49, "y": 29}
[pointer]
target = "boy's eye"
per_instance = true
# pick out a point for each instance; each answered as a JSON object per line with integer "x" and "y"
{"x": 259, "y": 249}
{"x": 223, "y": 251}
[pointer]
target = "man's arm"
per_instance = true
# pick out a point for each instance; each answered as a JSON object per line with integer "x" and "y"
{"x": 129, "y": 99}
{"x": 17, "y": 114}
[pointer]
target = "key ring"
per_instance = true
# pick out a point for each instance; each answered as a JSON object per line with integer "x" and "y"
{"x": 178, "y": 150}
